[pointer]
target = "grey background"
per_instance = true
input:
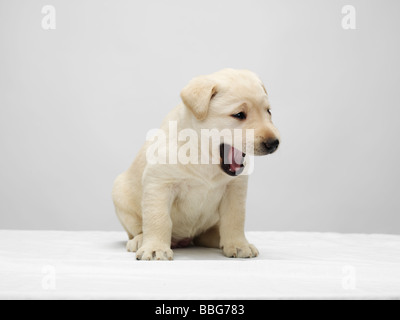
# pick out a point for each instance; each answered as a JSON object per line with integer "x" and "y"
{"x": 76, "y": 104}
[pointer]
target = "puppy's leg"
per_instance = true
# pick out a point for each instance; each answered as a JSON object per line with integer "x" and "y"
{"x": 127, "y": 204}
{"x": 157, "y": 224}
{"x": 132, "y": 224}
{"x": 209, "y": 239}
{"x": 232, "y": 212}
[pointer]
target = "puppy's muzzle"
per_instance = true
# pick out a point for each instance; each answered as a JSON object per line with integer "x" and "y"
{"x": 271, "y": 145}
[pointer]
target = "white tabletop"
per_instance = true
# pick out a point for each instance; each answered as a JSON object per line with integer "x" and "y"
{"x": 95, "y": 265}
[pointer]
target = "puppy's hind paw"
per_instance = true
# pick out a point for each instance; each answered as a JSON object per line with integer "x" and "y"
{"x": 134, "y": 244}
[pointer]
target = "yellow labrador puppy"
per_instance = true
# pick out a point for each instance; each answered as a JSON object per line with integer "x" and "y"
{"x": 190, "y": 189}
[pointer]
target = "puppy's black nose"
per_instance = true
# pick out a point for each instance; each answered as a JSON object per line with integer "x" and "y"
{"x": 271, "y": 145}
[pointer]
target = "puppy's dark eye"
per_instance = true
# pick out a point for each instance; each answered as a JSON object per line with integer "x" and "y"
{"x": 269, "y": 111}
{"x": 240, "y": 116}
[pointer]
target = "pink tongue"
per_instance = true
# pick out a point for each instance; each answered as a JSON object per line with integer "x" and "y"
{"x": 236, "y": 159}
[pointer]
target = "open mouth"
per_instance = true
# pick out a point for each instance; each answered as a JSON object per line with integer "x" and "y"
{"x": 232, "y": 160}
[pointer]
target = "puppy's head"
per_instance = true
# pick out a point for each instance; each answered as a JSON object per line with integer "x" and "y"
{"x": 237, "y": 101}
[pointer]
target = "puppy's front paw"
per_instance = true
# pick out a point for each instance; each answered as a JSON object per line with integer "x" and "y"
{"x": 155, "y": 252}
{"x": 240, "y": 250}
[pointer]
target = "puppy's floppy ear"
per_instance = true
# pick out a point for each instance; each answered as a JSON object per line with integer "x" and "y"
{"x": 197, "y": 95}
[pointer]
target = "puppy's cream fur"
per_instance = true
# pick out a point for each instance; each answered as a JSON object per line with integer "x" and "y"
{"x": 159, "y": 202}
